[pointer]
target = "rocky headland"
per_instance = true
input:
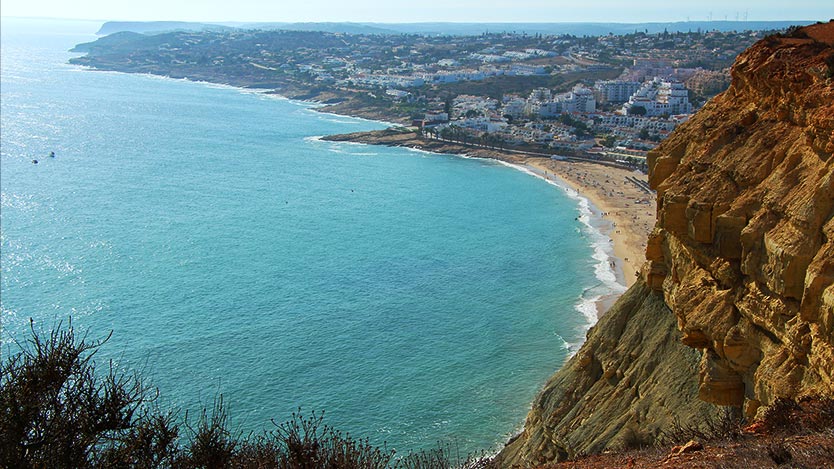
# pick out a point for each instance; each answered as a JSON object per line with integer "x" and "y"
{"x": 735, "y": 304}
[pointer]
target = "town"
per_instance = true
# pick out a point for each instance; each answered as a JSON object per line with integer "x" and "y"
{"x": 610, "y": 97}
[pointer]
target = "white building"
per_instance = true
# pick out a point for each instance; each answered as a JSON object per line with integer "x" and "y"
{"x": 463, "y": 103}
{"x": 435, "y": 117}
{"x": 583, "y": 100}
{"x": 580, "y": 100}
{"x": 397, "y": 94}
{"x": 526, "y": 70}
{"x": 659, "y": 97}
{"x": 540, "y": 53}
{"x": 388, "y": 81}
{"x": 514, "y": 108}
{"x": 489, "y": 58}
{"x": 483, "y": 124}
{"x": 615, "y": 91}
{"x": 612, "y": 121}
{"x": 540, "y": 95}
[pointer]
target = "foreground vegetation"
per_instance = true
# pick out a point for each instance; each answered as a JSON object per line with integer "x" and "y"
{"x": 59, "y": 410}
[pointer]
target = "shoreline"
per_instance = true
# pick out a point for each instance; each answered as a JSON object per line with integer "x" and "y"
{"x": 628, "y": 231}
{"x": 609, "y": 192}
{"x": 623, "y": 253}
{"x": 607, "y": 262}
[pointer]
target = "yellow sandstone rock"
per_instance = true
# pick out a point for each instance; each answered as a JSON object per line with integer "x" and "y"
{"x": 736, "y": 301}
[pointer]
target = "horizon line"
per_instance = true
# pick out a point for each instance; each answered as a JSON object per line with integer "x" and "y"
{"x": 417, "y": 22}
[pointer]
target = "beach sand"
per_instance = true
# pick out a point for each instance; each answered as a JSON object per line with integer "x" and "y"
{"x": 629, "y": 207}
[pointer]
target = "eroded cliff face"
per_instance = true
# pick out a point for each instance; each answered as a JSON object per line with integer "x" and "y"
{"x": 743, "y": 249}
{"x": 739, "y": 274}
{"x": 630, "y": 379}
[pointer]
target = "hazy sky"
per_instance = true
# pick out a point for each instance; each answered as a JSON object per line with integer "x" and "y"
{"x": 415, "y": 11}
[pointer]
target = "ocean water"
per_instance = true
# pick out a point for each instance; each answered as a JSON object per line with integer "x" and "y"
{"x": 413, "y": 297}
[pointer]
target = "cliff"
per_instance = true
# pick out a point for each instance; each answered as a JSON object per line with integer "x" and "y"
{"x": 736, "y": 304}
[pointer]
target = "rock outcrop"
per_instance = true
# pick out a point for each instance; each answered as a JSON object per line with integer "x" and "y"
{"x": 630, "y": 379}
{"x": 743, "y": 249}
{"x": 739, "y": 271}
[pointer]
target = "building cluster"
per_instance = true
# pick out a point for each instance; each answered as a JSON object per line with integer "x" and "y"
{"x": 368, "y": 79}
{"x": 499, "y": 86}
{"x": 659, "y": 97}
{"x": 643, "y": 114}
{"x": 615, "y": 91}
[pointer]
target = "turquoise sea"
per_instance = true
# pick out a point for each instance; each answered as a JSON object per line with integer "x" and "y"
{"x": 413, "y": 297}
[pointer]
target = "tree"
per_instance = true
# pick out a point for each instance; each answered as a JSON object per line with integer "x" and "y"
{"x": 608, "y": 141}
{"x": 485, "y": 139}
{"x": 447, "y": 105}
{"x": 56, "y": 410}
{"x": 637, "y": 110}
{"x": 446, "y": 133}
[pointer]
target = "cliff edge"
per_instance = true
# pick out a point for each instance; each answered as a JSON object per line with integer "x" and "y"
{"x": 736, "y": 302}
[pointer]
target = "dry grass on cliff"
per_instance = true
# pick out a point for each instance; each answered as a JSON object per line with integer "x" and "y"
{"x": 796, "y": 434}
{"x": 727, "y": 425}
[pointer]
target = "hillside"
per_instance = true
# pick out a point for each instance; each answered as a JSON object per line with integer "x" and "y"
{"x": 736, "y": 302}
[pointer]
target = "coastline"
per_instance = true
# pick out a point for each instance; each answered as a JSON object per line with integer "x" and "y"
{"x": 625, "y": 208}
{"x": 606, "y": 189}
{"x": 628, "y": 208}
{"x": 626, "y": 257}
{"x": 595, "y": 301}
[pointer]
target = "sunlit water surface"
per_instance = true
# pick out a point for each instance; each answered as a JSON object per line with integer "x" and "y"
{"x": 414, "y": 297}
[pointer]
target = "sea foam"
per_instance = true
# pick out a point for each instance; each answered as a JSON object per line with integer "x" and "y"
{"x": 596, "y": 229}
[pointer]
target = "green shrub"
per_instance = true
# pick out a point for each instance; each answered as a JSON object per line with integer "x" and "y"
{"x": 58, "y": 411}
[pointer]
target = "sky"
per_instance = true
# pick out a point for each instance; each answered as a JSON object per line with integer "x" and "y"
{"x": 394, "y": 11}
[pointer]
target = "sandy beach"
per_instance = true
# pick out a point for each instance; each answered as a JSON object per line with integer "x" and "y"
{"x": 627, "y": 205}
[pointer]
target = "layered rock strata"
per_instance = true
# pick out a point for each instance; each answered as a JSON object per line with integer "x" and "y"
{"x": 739, "y": 273}
{"x": 630, "y": 379}
{"x": 743, "y": 249}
